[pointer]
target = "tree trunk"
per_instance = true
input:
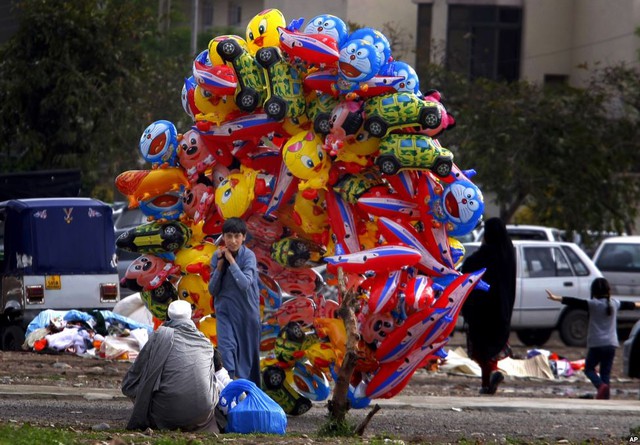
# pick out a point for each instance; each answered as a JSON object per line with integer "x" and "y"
{"x": 340, "y": 403}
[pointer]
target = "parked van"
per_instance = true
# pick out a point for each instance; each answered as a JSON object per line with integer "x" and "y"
{"x": 564, "y": 269}
{"x": 618, "y": 258}
{"x": 55, "y": 253}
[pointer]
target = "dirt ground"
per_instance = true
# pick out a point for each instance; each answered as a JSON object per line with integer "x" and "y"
{"x": 70, "y": 370}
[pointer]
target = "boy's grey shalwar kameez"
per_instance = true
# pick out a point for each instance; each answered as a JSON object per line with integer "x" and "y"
{"x": 237, "y": 305}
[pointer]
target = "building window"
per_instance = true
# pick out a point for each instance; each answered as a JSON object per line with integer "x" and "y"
{"x": 485, "y": 41}
{"x": 207, "y": 14}
{"x": 423, "y": 51}
{"x": 235, "y": 14}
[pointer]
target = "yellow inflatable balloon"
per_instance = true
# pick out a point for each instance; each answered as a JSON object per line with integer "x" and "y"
{"x": 262, "y": 30}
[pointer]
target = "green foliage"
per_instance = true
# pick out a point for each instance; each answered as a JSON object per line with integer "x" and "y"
{"x": 569, "y": 156}
{"x": 334, "y": 428}
{"x": 28, "y": 435}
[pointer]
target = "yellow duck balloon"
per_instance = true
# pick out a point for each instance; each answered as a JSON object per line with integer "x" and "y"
{"x": 262, "y": 30}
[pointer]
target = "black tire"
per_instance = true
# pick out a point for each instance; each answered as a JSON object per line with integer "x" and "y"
{"x": 229, "y": 49}
{"x": 275, "y": 108}
{"x": 12, "y": 338}
{"x": 303, "y": 405}
{"x": 430, "y": 117}
{"x": 172, "y": 237}
{"x": 125, "y": 241}
{"x": 534, "y": 337}
{"x": 247, "y": 99}
{"x": 273, "y": 377}
{"x": 573, "y": 327}
{"x": 322, "y": 124}
{"x": 388, "y": 165}
{"x": 376, "y": 126}
{"x": 442, "y": 168}
{"x": 266, "y": 57}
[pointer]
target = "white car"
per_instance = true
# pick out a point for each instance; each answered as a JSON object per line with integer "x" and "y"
{"x": 527, "y": 232}
{"x": 631, "y": 353}
{"x": 618, "y": 258}
{"x": 561, "y": 267}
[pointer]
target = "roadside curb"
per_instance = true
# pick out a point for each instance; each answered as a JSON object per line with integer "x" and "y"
{"x": 495, "y": 403}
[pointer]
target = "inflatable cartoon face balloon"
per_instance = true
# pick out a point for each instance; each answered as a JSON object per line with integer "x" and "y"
{"x": 193, "y": 155}
{"x": 461, "y": 206}
{"x": 193, "y": 289}
{"x": 377, "y": 39}
{"x": 262, "y": 30}
{"x": 159, "y": 142}
{"x": 411, "y": 82}
{"x": 236, "y": 193}
{"x": 330, "y": 25}
{"x": 358, "y": 62}
{"x": 304, "y": 156}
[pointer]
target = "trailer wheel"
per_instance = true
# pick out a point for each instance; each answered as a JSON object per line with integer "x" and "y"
{"x": 12, "y": 338}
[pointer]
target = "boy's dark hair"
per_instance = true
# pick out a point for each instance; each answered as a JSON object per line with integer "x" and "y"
{"x": 600, "y": 289}
{"x": 234, "y": 225}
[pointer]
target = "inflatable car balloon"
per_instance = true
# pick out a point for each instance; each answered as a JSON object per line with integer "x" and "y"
{"x": 148, "y": 272}
{"x": 378, "y": 40}
{"x": 214, "y": 57}
{"x": 330, "y": 25}
{"x": 290, "y": 343}
{"x": 277, "y": 383}
{"x": 155, "y": 237}
{"x": 447, "y": 121}
{"x": 158, "y": 300}
{"x": 358, "y": 62}
{"x": 218, "y": 80}
{"x": 295, "y": 252}
{"x": 262, "y": 30}
{"x": 306, "y": 160}
{"x": 140, "y": 185}
{"x": 312, "y": 49}
{"x": 158, "y": 144}
{"x": 311, "y": 382}
{"x": 194, "y": 289}
{"x": 188, "y": 99}
{"x": 164, "y": 207}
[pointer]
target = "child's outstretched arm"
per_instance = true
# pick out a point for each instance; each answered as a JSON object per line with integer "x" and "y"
{"x": 552, "y": 296}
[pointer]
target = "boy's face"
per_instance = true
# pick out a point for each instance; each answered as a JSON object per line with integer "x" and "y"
{"x": 233, "y": 241}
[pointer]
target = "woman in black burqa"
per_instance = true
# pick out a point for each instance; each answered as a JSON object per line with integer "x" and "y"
{"x": 488, "y": 313}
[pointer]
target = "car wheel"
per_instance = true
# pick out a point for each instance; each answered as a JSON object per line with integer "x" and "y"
{"x": 303, "y": 405}
{"x": 574, "y": 327}
{"x": 442, "y": 168}
{"x": 534, "y": 337}
{"x": 266, "y": 57}
{"x": 247, "y": 99}
{"x": 229, "y": 49}
{"x": 275, "y": 108}
{"x": 125, "y": 241}
{"x": 388, "y": 165}
{"x": 12, "y": 338}
{"x": 430, "y": 117}
{"x": 376, "y": 127}
{"x": 273, "y": 377}
{"x": 322, "y": 124}
{"x": 172, "y": 237}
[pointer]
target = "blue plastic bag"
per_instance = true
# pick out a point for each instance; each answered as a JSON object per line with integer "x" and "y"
{"x": 256, "y": 413}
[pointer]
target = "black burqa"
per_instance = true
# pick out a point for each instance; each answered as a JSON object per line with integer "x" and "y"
{"x": 488, "y": 313}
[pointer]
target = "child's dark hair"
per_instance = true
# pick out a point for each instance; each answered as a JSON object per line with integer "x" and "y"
{"x": 234, "y": 225}
{"x": 600, "y": 289}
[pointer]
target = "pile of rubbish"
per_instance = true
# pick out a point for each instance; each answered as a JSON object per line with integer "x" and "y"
{"x": 97, "y": 333}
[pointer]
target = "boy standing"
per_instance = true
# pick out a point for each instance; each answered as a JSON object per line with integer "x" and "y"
{"x": 236, "y": 299}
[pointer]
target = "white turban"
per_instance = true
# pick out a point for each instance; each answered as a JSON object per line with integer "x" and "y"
{"x": 179, "y": 310}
